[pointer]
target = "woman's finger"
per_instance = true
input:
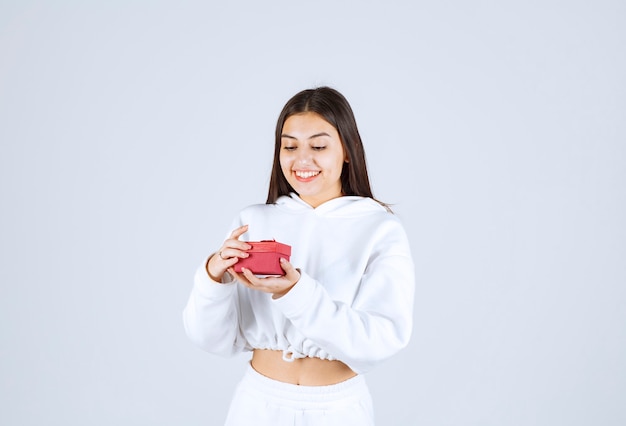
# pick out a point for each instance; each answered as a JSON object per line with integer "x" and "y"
{"x": 291, "y": 273}
{"x": 228, "y": 253}
{"x": 250, "y": 277}
{"x": 233, "y": 247}
{"x": 238, "y": 276}
{"x": 229, "y": 261}
{"x": 218, "y": 264}
{"x": 286, "y": 266}
{"x": 277, "y": 285}
{"x": 238, "y": 232}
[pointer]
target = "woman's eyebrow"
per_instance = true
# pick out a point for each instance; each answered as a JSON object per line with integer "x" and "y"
{"x": 317, "y": 135}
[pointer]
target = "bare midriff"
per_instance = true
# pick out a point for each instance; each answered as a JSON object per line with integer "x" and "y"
{"x": 301, "y": 371}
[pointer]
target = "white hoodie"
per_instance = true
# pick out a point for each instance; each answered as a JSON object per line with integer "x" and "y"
{"x": 354, "y": 299}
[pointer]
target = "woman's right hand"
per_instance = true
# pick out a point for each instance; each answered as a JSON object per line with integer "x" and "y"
{"x": 231, "y": 251}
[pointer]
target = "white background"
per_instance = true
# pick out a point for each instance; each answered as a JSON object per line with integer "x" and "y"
{"x": 132, "y": 132}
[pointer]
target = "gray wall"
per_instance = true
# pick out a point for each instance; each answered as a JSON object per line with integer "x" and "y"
{"x": 132, "y": 132}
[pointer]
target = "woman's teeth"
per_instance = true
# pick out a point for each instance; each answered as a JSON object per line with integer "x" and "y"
{"x": 306, "y": 175}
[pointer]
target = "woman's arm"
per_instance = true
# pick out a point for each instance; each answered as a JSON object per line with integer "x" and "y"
{"x": 375, "y": 326}
{"x": 211, "y": 315}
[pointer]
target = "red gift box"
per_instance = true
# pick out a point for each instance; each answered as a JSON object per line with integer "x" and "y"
{"x": 264, "y": 257}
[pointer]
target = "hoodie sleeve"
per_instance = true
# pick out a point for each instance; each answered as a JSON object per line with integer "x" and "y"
{"x": 376, "y": 325}
{"x": 211, "y": 316}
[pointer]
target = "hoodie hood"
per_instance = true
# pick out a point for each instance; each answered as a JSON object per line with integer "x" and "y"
{"x": 346, "y": 206}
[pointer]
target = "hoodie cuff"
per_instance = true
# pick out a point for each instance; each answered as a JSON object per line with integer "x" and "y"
{"x": 298, "y": 298}
{"x": 206, "y": 287}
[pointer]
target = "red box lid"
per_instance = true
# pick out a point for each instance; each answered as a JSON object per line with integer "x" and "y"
{"x": 269, "y": 246}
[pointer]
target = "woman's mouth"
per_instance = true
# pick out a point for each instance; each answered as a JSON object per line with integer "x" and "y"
{"x": 307, "y": 175}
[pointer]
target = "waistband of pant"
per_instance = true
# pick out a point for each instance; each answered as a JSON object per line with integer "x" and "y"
{"x": 353, "y": 388}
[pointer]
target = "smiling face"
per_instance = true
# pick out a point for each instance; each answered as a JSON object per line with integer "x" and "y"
{"x": 312, "y": 157}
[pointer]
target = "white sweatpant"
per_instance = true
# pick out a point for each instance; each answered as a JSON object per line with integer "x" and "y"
{"x": 261, "y": 401}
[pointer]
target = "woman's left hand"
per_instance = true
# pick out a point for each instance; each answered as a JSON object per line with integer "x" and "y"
{"x": 277, "y": 285}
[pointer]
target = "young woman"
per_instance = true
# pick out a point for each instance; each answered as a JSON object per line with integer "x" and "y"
{"x": 345, "y": 301}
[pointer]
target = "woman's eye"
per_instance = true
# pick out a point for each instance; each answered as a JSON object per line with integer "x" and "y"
{"x": 318, "y": 148}
{"x": 289, "y": 148}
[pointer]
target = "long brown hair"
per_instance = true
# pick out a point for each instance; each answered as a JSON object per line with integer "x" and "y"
{"x": 333, "y": 107}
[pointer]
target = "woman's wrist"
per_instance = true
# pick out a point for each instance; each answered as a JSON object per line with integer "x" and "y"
{"x": 214, "y": 277}
{"x": 286, "y": 290}
{"x": 282, "y": 293}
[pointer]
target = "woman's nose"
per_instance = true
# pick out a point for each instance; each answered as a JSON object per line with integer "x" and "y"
{"x": 304, "y": 157}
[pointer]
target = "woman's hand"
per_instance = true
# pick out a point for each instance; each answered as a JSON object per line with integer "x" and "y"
{"x": 277, "y": 285}
{"x": 231, "y": 251}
